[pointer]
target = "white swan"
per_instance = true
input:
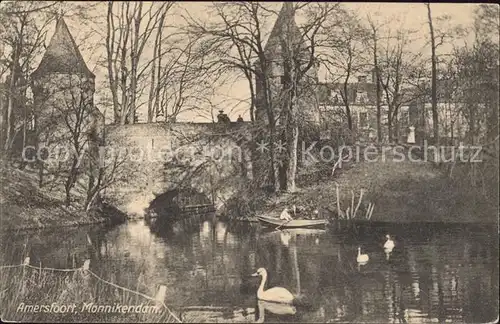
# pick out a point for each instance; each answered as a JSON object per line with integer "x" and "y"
{"x": 362, "y": 258}
{"x": 275, "y": 294}
{"x": 389, "y": 244}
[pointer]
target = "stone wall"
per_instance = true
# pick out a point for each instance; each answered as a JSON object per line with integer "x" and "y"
{"x": 159, "y": 157}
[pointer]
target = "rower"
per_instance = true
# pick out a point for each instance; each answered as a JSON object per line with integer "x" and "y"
{"x": 285, "y": 215}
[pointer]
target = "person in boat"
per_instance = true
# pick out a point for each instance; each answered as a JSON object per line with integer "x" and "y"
{"x": 285, "y": 215}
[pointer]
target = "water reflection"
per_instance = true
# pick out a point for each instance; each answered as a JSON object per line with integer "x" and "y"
{"x": 442, "y": 275}
{"x": 273, "y": 308}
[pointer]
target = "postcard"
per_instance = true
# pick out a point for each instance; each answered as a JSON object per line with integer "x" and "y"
{"x": 249, "y": 162}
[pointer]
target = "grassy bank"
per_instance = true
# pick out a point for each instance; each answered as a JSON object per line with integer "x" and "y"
{"x": 24, "y": 205}
{"x": 24, "y": 287}
{"x": 400, "y": 191}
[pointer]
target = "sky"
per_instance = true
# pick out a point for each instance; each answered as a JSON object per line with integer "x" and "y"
{"x": 231, "y": 97}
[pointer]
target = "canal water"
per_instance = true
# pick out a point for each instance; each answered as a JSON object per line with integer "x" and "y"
{"x": 436, "y": 273}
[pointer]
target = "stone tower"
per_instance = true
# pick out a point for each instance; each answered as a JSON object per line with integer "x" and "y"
{"x": 286, "y": 30}
{"x": 63, "y": 90}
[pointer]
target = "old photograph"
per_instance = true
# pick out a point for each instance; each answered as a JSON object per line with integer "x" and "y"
{"x": 249, "y": 162}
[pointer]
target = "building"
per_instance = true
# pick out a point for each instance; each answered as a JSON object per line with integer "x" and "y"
{"x": 318, "y": 104}
{"x": 466, "y": 112}
{"x": 361, "y": 98}
{"x": 63, "y": 93}
{"x": 285, "y": 32}
{"x": 323, "y": 104}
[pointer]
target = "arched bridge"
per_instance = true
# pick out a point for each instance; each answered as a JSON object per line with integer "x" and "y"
{"x": 154, "y": 160}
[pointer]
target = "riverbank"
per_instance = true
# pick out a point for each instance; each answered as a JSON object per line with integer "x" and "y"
{"x": 24, "y": 205}
{"x": 399, "y": 191}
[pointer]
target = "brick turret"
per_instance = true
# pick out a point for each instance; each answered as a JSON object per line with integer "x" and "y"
{"x": 62, "y": 85}
{"x": 285, "y": 28}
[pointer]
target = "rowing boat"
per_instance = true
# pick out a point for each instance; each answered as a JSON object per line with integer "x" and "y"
{"x": 296, "y": 223}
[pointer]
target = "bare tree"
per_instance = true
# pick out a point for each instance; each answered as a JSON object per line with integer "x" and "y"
{"x": 346, "y": 42}
{"x": 374, "y": 42}
{"x": 25, "y": 26}
{"x": 129, "y": 29}
{"x": 435, "y": 118}
{"x": 299, "y": 59}
{"x": 183, "y": 83}
{"x": 75, "y": 115}
{"x": 156, "y": 70}
{"x": 486, "y": 22}
{"x": 440, "y": 33}
{"x": 477, "y": 84}
{"x": 235, "y": 42}
{"x": 100, "y": 172}
{"x": 398, "y": 69}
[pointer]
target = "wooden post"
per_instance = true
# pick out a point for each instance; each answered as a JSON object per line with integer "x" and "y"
{"x": 338, "y": 200}
{"x": 352, "y": 203}
{"x": 26, "y": 261}
{"x": 86, "y": 266}
{"x": 161, "y": 293}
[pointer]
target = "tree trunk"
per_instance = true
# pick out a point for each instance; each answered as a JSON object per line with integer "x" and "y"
{"x": 472, "y": 125}
{"x": 113, "y": 85}
{"x": 125, "y": 109}
{"x": 389, "y": 128}
{"x": 345, "y": 97}
{"x": 70, "y": 181}
{"x": 274, "y": 167}
{"x": 11, "y": 98}
{"x": 378, "y": 89}
{"x": 25, "y": 121}
{"x": 158, "y": 75}
{"x": 292, "y": 163}
{"x": 8, "y": 131}
{"x": 153, "y": 86}
{"x": 3, "y": 110}
{"x": 40, "y": 174}
{"x": 134, "y": 61}
{"x": 435, "y": 118}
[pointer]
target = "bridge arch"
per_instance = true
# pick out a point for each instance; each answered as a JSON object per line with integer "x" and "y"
{"x": 177, "y": 200}
{"x": 142, "y": 183}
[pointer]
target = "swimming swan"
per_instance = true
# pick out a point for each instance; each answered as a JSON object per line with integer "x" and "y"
{"x": 362, "y": 258}
{"x": 389, "y": 244}
{"x": 275, "y": 294}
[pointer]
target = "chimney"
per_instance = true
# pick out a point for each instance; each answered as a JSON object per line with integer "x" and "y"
{"x": 362, "y": 79}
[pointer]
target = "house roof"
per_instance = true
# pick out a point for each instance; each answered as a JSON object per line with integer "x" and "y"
{"x": 326, "y": 92}
{"x": 62, "y": 55}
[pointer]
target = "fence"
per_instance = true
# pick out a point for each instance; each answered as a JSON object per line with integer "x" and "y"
{"x": 85, "y": 271}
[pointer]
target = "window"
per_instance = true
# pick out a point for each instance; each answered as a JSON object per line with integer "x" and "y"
{"x": 363, "y": 120}
{"x": 361, "y": 97}
{"x": 31, "y": 122}
{"x": 405, "y": 117}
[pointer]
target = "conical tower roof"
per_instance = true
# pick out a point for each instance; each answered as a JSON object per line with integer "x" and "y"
{"x": 62, "y": 55}
{"x": 285, "y": 23}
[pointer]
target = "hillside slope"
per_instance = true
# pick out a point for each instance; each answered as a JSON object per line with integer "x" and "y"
{"x": 401, "y": 191}
{"x": 24, "y": 205}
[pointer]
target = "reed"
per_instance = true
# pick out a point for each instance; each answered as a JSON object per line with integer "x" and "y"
{"x": 352, "y": 211}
